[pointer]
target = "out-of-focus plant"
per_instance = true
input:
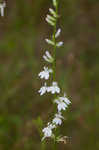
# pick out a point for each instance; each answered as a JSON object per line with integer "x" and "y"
{"x": 2, "y": 6}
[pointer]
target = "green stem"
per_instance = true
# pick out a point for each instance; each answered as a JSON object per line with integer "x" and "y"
{"x": 43, "y": 146}
{"x": 54, "y": 49}
{"x": 54, "y": 62}
{"x": 54, "y": 55}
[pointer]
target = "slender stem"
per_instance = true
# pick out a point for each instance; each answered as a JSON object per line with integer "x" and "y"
{"x": 43, "y": 146}
{"x": 55, "y": 146}
{"x": 54, "y": 55}
{"x": 54, "y": 62}
{"x": 54, "y": 40}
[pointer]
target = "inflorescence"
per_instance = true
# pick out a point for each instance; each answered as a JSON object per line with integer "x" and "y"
{"x": 61, "y": 102}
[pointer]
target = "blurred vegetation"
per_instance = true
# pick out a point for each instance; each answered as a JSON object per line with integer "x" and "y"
{"x": 22, "y": 34}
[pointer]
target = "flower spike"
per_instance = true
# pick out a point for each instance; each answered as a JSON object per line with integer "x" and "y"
{"x": 61, "y": 102}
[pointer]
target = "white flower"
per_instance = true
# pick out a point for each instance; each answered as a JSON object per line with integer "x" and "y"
{"x": 48, "y": 57}
{"x": 2, "y": 6}
{"x": 58, "y": 33}
{"x": 43, "y": 89}
{"x": 45, "y": 74}
{"x": 54, "y": 88}
{"x": 61, "y": 105}
{"x": 62, "y": 102}
{"x": 51, "y": 18}
{"x": 50, "y": 42}
{"x": 53, "y": 12}
{"x": 48, "y": 131}
{"x": 59, "y": 44}
{"x": 51, "y": 22}
{"x": 65, "y": 99}
{"x": 58, "y": 119}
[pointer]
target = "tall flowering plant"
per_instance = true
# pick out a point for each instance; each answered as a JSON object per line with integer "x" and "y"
{"x": 61, "y": 101}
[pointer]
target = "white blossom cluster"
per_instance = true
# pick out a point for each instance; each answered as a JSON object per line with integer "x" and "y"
{"x": 62, "y": 102}
{"x": 2, "y": 6}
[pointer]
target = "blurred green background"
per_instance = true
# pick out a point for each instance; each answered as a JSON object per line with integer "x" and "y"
{"x": 22, "y": 34}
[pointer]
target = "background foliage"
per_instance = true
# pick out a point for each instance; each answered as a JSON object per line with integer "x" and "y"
{"x": 22, "y": 34}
